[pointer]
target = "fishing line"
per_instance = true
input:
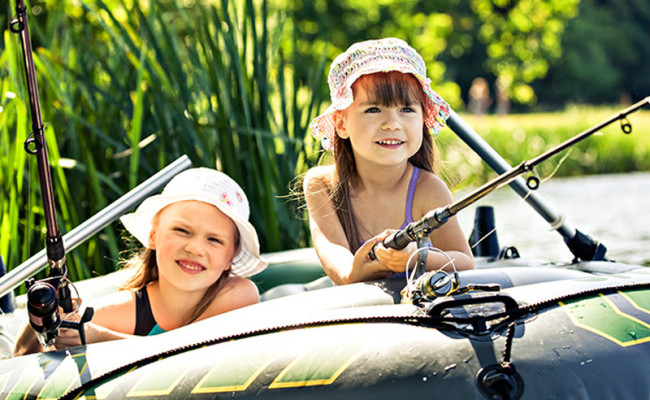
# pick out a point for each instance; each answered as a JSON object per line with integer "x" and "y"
{"x": 521, "y": 204}
{"x": 559, "y": 164}
{"x": 410, "y": 278}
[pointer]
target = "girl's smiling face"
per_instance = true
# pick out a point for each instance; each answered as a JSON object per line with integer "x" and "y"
{"x": 385, "y": 121}
{"x": 194, "y": 242}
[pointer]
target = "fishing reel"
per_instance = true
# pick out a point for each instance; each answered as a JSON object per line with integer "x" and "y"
{"x": 439, "y": 283}
{"x": 44, "y": 297}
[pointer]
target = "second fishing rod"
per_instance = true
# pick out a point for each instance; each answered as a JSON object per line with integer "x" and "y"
{"x": 419, "y": 230}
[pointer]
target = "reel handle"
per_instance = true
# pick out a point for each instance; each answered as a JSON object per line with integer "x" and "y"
{"x": 79, "y": 326}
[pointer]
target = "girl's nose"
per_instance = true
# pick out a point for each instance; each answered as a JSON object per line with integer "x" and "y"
{"x": 195, "y": 246}
{"x": 391, "y": 120}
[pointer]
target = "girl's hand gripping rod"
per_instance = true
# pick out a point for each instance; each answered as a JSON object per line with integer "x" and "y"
{"x": 436, "y": 218}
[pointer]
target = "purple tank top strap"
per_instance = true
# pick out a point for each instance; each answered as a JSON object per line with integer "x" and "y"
{"x": 408, "y": 218}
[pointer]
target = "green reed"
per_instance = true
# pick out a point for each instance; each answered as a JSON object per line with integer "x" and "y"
{"x": 126, "y": 89}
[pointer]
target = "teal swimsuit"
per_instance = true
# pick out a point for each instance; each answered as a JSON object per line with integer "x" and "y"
{"x": 145, "y": 323}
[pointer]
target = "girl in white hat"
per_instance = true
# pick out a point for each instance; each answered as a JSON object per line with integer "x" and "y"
{"x": 379, "y": 127}
{"x": 199, "y": 248}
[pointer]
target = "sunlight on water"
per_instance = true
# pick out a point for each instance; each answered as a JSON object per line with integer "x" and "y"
{"x": 612, "y": 209}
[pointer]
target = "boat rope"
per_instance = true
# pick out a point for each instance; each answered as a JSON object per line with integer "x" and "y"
{"x": 507, "y": 351}
{"x": 511, "y": 315}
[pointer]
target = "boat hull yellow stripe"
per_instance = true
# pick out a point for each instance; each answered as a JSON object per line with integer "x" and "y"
{"x": 602, "y": 317}
{"x": 61, "y": 380}
{"x": 640, "y": 299}
{"x": 158, "y": 381}
{"x": 315, "y": 368}
{"x": 208, "y": 384}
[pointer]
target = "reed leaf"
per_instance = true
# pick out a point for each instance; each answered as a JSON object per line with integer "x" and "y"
{"x": 128, "y": 88}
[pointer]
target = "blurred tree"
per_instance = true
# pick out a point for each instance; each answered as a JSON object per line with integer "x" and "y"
{"x": 607, "y": 53}
{"x": 514, "y": 40}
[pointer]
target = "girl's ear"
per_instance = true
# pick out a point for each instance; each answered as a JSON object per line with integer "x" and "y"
{"x": 339, "y": 124}
{"x": 152, "y": 238}
{"x": 234, "y": 254}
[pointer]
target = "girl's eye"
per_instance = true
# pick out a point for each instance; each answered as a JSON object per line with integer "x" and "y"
{"x": 372, "y": 110}
{"x": 215, "y": 240}
{"x": 408, "y": 109}
{"x": 181, "y": 230}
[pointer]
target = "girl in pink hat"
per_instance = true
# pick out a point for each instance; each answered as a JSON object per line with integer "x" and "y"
{"x": 379, "y": 127}
{"x": 198, "y": 250}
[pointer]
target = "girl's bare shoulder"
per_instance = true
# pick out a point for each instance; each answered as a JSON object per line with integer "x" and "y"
{"x": 318, "y": 178}
{"x": 431, "y": 192}
{"x": 116, "y": 311}
{"x": 237, "y": 292}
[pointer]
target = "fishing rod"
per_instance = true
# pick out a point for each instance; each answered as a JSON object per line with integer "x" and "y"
{"x": 419, "y": 230}
{"x": 582, "y": 246}
{"x": 44, "y": 297}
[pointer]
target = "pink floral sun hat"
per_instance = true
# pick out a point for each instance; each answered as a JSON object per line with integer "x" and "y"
{"x": 369, "y": 57}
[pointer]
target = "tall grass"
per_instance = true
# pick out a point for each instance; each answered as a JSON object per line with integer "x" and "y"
{"x": 127, "y": 88}
{"x": 520, "y": 137}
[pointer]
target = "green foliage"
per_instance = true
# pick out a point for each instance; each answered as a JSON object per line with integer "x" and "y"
{"x": 126, "y": 89}
{"x": 520, "y": 137}
{"x": 606, "y": 55}
{"x": 522, "y": 38}
{"x": 514, "y": 40}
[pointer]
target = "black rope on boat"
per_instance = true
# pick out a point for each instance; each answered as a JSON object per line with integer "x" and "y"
{"x": 513, "y": 315}
{"x": 439, "y": 322}
{"x": 507, "y": 351}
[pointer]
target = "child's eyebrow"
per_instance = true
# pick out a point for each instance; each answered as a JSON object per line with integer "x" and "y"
{"x": 369, "y": 103}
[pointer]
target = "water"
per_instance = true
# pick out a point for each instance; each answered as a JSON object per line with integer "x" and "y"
{"x": 612, "y": 209}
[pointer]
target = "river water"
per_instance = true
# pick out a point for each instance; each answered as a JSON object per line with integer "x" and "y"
{"x": 612, "y": 209}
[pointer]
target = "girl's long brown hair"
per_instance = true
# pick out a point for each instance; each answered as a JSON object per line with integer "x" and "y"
{"x": 388, "y": 89}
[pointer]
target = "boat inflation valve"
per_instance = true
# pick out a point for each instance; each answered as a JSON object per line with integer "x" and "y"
{"x": 500, "y": 381}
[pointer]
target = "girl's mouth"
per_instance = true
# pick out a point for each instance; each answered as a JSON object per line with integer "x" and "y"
{"x": 190, "y": 267}
{"x": 390, "y": 143}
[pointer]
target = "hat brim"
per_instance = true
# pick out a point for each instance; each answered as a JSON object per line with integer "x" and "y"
{"x": 246, "y": 263}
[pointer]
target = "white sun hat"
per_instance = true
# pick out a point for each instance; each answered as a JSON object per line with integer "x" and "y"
{"x": 212, "y": 187}
{"x": 369, "y": 57}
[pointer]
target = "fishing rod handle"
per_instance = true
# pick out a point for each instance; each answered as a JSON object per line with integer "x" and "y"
{"x": 432, "y": 220}
{"x": 397, "y": 240}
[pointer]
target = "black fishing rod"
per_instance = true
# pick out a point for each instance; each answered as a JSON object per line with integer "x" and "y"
{"x": 419, "y": 230}
{"x": 44, "y": 297}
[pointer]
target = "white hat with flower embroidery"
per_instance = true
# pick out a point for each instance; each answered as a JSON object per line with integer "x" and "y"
{"x": 369, "y": 57}
{"x": 212, "y": 187}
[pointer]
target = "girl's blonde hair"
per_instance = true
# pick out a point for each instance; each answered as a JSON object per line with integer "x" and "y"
{"x": 389, "y": 89}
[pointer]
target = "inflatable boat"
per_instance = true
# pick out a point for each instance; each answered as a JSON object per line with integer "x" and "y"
{"x": 513, "y": 328}
{"x": 518, "y": 329}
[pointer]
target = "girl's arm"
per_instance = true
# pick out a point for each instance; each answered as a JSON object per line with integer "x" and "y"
{"x": 329, "y": 238}
{"x": 114, "y": 318}
{"x": 27, "y": 342}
